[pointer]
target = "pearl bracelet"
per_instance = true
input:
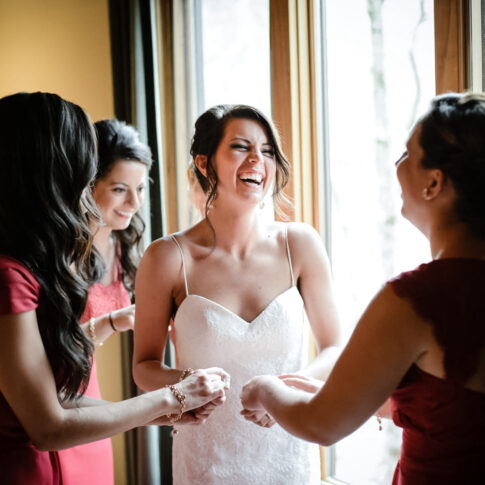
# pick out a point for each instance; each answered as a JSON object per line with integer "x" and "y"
{"x": 186, "y": 373}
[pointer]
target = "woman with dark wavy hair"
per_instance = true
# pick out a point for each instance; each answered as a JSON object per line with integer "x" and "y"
{"x": 422, "y": 338}
{"x": 119, "y": 191}
{"x": 240, "y": 292}
{"x": 47, "y": 161}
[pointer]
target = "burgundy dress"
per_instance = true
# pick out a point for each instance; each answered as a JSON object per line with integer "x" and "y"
{"x": 443, "y": 422}
{"x": 92, "y": 463}
{"x": 20, "y": 462}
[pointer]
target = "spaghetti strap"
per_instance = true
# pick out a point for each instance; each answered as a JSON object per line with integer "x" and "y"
{"x": 289, "y": 256}
{"x": 183, "y": 263}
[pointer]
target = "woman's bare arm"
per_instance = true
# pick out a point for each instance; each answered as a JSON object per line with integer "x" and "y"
{"x": 388, "y": 339}
{"x": 315, "y": 285}
{"x": 27, "y": 383}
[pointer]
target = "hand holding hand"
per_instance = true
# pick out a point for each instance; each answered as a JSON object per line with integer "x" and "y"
{"x": 261, "y": 418}
{"x": 250, "y": 393}
{"x": 204, "y": 386}
{"x": 201, "y": 414}
{"x": 193, "y": 417}
{"x": 226, "y": 378}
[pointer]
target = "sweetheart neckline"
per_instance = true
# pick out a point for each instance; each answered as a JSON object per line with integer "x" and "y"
{"x": 227, "y": 310}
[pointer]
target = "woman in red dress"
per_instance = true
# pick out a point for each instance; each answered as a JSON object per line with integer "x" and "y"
{"x": 422, "y": 338}
{"x": 47, "y": 161}
{"x": 119, "y": 191}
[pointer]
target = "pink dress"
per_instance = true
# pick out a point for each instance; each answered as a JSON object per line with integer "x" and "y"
{"x": 92, "y": 463}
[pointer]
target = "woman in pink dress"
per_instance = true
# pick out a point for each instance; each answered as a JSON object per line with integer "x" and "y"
{"x": 119, "y": 190}
{"x": 47, "y": 163}
{"x": 422, "y": 338}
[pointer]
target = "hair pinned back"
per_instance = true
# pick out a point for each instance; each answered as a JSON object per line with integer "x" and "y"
{"x": 452, "y": 137}
{"x": 209, "y": 131}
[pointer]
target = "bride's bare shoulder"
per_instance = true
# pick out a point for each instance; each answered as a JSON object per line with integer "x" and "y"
{"x": 294, "y": 231}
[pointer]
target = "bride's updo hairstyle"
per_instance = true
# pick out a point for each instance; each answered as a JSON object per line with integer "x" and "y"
{"x": 453, "y": 141}
{"x": 209, "y": 131}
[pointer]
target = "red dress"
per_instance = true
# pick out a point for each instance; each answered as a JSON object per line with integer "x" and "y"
{"x": 20, "y": 462}
{"x": 443, "y": 422}
{"x": 92, "y": 463}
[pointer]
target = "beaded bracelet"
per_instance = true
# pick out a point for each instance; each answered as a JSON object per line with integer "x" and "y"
{"x": 110, "y": 318}
{"x": 92, "y": 333}
{"x": 186, "y": 373}
{"x": 379, "y": 421}
{"x": 180, "y": 396}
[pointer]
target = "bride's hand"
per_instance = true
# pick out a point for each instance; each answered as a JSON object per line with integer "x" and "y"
{"x": 250, "y": 393}
{"x": 303, "y": 383}
{"x": 202, "y": 387}
{"x": 194, "y": 416}
{"x": 261, "y": 418}
{"x": 226, "y": 378}
{"x": 202, "y": 413}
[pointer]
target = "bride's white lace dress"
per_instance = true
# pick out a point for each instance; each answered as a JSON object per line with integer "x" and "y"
{"x": 227, "y": 449}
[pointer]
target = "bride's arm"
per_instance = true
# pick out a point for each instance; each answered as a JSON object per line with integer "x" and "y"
{"x": 158, "y": 273}
{"x": 312, "y": 270}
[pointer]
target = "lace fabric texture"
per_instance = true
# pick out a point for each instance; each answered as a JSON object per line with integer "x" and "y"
{"x": 227, "y": 449}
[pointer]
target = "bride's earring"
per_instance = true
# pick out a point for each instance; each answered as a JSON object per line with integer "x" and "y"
{"x": 426, "y": 193}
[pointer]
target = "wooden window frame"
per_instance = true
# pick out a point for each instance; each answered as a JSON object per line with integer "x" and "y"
{"x": 296, "y": 98}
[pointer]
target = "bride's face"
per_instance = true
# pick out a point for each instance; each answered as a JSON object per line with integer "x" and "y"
{"x": 244, "y": 161}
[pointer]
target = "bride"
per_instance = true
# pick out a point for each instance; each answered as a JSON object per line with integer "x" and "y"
{"x": 238, "y": 293}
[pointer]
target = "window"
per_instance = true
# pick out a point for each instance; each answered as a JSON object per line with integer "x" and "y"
{"x": 380, "y": 78}
{"x": 378, "y": 75}
{"x": 235, "y": 53}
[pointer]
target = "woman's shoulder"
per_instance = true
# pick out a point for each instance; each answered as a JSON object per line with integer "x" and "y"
{"x": 19, "y": 289}
{"x": 13, "y": 269}
{"x": 436, "y": 275}
{"x": 162, "y": 250}
{"x": 303, "y": 240}
{"x": 294, "y": 230}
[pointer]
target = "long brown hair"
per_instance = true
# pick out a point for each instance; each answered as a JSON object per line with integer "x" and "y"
{"x": 47, "y": 161}
{"x": 119, "y": 141}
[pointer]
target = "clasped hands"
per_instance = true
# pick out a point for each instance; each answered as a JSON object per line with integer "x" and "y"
{"x": 204, "y": 391}
{"x": 254, "y": 410}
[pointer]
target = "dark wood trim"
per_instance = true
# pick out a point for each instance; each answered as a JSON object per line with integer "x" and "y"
{"x": 451, "y": 19}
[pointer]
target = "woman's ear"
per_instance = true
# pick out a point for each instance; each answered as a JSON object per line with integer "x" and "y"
{"x": 435, "y": 185}
{"x": 201, "y": 164}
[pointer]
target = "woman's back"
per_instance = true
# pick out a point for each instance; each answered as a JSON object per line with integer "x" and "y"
{"x": 442, "y": 416}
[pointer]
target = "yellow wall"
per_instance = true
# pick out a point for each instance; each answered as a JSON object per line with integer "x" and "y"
{"x": 63, "y": 46}
{"x": 59, "y": 46}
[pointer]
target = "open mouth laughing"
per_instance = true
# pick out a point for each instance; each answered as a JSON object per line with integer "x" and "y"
{"x": 253, "y": 178}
